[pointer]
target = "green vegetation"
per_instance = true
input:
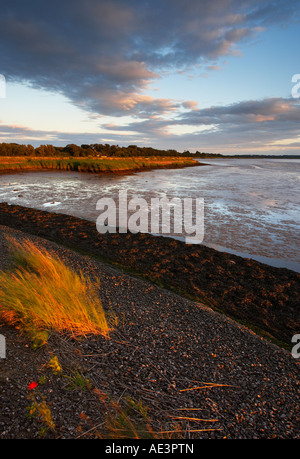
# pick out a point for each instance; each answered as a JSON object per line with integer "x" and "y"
{"x": 92, "y": 150}
{"x": 41, "y": 410}
{"x": 98, "y": 150}
{"x": 77, "y": 381}
{"x": 127, "y": 418}
{"x": 54, "y": 365}
{"x": 43, "y": 294}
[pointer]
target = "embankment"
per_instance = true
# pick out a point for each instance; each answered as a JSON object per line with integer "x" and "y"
{"x": 253, "y": 293}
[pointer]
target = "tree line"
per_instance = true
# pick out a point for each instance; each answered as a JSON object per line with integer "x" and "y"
{"x": 85, "y": 150}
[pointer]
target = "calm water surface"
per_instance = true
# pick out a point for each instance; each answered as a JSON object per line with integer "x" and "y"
{"x": 251, "y": 205}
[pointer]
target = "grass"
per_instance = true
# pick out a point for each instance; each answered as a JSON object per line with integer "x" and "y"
{"x": 95, "y": 165}
{"x": 128, "y": 418}
{"x": 77, "y": 381}
{"x": 42, "y": 294}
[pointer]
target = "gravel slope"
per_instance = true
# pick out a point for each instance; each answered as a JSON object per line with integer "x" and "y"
{"x": 182, "y": 359}
{"x": 253, "y": 293}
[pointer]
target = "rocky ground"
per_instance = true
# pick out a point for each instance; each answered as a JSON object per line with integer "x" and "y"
{"x": 197, "y": 371}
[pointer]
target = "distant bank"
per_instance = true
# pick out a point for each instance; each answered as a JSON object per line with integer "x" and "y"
{"x": 100, "y": 165}
{"x": 97, "y": 150}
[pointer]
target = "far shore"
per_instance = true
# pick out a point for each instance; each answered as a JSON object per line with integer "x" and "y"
{"x": 104, "y": 165}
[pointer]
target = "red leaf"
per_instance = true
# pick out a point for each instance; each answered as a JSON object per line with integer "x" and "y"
{"x": 32, "y": 385}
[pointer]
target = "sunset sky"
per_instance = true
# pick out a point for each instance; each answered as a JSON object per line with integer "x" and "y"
{"x": 207, "y": 75}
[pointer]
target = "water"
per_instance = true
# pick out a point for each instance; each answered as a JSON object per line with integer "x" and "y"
{"x": 251, "y": 205}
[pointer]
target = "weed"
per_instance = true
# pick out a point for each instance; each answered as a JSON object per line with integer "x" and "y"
{"x": 125, "y": 418}
{"x": 77, "y": 381}
{"x": 41, "y": 410}
{"x": 54, "y": 365}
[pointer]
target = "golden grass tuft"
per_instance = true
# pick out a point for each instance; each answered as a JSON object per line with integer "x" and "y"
{"x": 42, "y": 294}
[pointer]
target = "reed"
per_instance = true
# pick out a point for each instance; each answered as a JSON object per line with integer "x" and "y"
{"x": 93, "y": 164}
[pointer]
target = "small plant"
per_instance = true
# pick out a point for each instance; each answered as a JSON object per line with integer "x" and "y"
{"x": 37, "y": 337}
{"x": 39, "y": 409}
{"x": 77, "y": 381}
{"x": 42, "y": 380}
{"x": 137, "y": 407}
{"x": 125, "y": 418}
{"x": 129, "y": 418}
{"x": 54, "y": 365}
{"x": 43, "y": 412}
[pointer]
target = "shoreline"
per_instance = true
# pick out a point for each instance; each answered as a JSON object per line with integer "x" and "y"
{"x": 275, "y": 262}
{"x": 259, "y": 296}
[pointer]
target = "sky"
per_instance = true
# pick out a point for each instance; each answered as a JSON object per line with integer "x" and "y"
{"x": 216, "y": 76}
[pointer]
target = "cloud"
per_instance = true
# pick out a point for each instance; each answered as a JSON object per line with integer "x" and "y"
{"x": 190, "y": 104}
{"x": 24, "y": 135}
{"x": 250, "y": 126}
{"x": 240, "y": 126}
{"x": 244, "y": 125}
{"x": 269, "y": 125}
{"x": 102, "y": 55}
{"x": 245, "y": 113}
